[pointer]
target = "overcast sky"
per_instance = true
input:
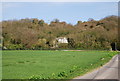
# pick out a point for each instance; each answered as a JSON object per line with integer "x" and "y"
{"x": 70, "y": 12}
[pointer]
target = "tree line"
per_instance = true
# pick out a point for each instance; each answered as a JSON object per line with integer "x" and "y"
{"x": 35, "y": 34}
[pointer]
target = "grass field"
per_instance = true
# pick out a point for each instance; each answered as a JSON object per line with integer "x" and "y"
{"x": 27, "y": 64}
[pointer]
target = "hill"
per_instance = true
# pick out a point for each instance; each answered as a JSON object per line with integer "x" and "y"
{"x": 36, "y": 34}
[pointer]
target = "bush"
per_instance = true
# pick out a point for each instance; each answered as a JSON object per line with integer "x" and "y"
{"x": 63, "y": 45}
{"x": 15, "y": 46}
{"x": 62, "y": 74}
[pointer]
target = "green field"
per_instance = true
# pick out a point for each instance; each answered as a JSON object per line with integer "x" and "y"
{"x": 27, "y": 64}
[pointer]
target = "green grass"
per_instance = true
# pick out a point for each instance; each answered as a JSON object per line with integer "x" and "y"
{"x": 53, "y": 64}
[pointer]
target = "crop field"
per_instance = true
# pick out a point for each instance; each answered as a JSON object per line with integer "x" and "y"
{"x": 28, "y": 64}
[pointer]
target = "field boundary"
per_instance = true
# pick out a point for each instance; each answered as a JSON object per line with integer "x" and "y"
{"x": 98, "y": 69}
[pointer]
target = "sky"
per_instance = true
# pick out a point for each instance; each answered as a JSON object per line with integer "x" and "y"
{"x": 60, "y": 0}
{"x": 69, "y": 12}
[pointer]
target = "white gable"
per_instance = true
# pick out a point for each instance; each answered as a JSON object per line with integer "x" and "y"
{"x": 62, "y": 40}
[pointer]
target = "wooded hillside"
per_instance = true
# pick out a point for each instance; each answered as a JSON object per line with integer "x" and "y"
{"x": 36, "y": 34}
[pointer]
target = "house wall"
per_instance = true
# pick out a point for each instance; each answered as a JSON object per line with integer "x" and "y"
{"x": 62, "y": 40}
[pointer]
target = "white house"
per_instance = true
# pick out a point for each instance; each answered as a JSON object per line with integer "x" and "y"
{"x": 59, "y": 40}
{"x": 62, "y": 40}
